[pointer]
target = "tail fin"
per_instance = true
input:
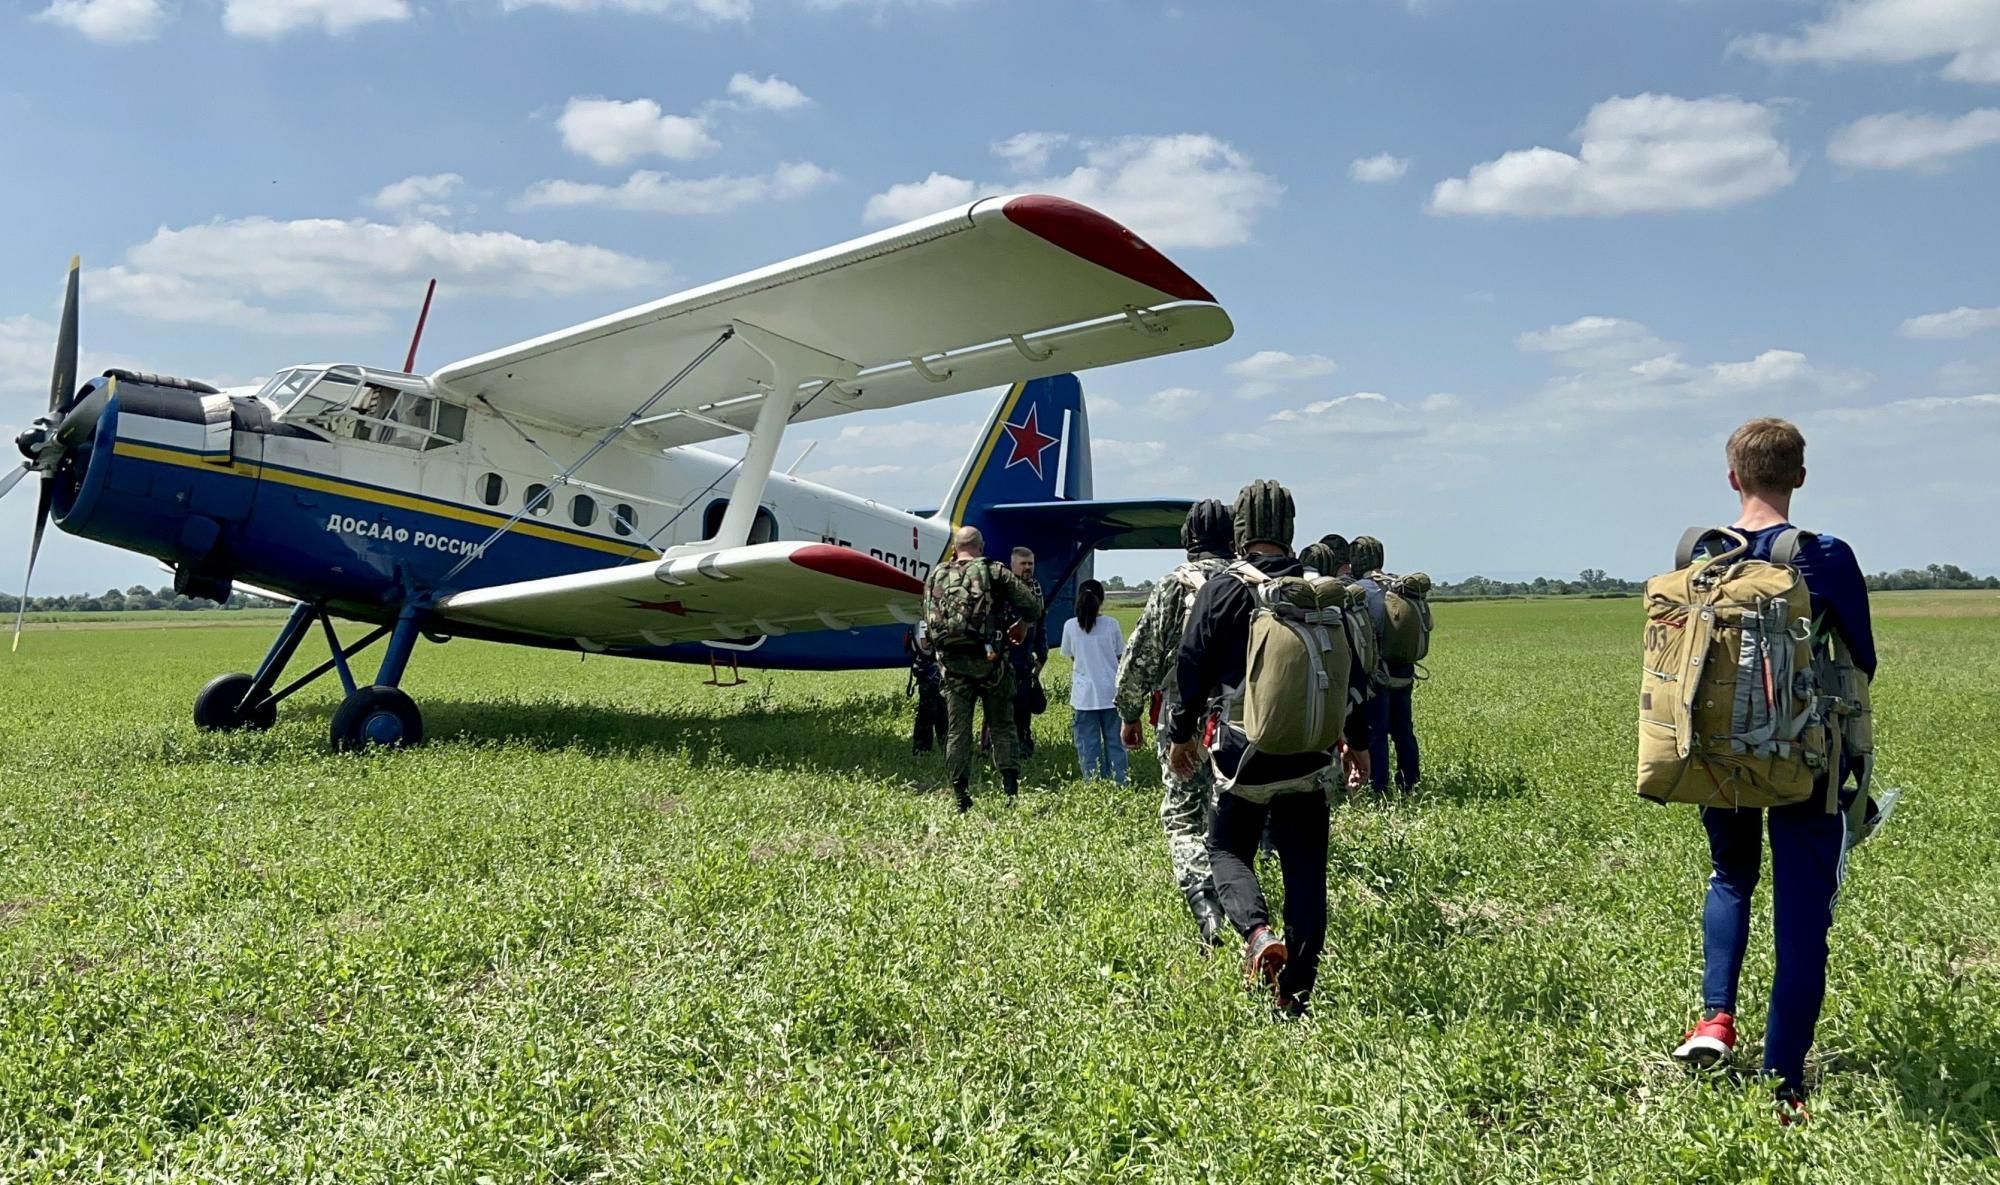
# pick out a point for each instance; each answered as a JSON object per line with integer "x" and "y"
{"x": 1035, "y": 448}
{"x": 1027, "y": 483}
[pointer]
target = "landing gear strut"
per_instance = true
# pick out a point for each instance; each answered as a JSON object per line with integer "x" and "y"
{"x": 379, "y": 714}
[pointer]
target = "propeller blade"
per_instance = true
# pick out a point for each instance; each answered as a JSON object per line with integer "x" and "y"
{"x": 34, "y": 549}
{"x": 13, "y": 479}
{"x": 62, "y": 384}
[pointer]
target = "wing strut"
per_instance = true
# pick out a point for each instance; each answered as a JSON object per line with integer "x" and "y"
{"x": 603, "y": 442}
{"x": 792, "y": 365}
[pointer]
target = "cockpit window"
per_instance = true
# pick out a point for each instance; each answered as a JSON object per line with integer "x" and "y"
{"x": 376, "y": 406}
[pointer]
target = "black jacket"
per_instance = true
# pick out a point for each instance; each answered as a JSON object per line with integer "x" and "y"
{"x": 1213, "y": 653}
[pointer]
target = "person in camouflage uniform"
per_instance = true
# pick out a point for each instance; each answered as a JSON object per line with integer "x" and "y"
{"x": 1146, "y": 670}
{"x": 978, "y": 672}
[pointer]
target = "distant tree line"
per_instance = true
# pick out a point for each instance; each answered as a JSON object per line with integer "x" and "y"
{"x": 127, "y": 600}
{"x": 1934, "y": 576}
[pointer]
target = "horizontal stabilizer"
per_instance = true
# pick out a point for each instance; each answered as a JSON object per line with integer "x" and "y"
{"x": 1135, "y": 524}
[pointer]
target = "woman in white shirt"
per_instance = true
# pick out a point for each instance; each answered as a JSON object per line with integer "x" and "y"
{"x": 1093, "y": 642}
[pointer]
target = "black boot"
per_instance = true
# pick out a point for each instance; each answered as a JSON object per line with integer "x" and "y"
{"x": 964, "y": 796}
{"x": 1208, "y": 916}
{"x": 1012, "y": 780}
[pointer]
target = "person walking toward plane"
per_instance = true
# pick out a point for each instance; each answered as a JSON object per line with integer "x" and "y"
{"x": 1093, "y": 642}
{"x": 1216, "y": 685}
{"x": 1145, "y": 682}
{"x": 1392, "y": 716}
{"x": 963, "y": 620}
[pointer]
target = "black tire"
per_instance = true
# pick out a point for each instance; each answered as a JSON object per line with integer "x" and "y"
{"x": 218, "y": 706}
{"x": 377, "y": 716}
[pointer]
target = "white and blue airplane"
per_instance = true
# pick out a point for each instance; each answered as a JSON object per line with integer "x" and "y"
{"x": 552, "y": 493}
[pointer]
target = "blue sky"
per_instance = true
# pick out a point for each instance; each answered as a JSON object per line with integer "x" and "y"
{"x": 1504, "y": 276}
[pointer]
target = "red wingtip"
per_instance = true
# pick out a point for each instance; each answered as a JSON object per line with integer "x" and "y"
{"x": 849, "y": 564}
{"x": 1085, "y": 233}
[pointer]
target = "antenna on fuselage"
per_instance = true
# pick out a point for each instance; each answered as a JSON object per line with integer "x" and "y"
{"x": 410, "y": 362}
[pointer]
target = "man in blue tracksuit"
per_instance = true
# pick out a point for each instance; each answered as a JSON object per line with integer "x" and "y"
{"x": 1808, "y": 842}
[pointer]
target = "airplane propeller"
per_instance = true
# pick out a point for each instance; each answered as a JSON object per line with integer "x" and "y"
{"x": 40, "y": 443}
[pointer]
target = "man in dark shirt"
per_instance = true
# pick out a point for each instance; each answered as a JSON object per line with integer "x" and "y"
{"x": 1808, "y": 842}
{"x": 1212, "y": 659}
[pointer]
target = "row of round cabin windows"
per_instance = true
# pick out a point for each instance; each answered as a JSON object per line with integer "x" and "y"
{"x": 582, "y": 507}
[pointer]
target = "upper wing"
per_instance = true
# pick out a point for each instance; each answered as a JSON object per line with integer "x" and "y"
{"x": 766, "y": 588}
{"x": 1004, "y": 289}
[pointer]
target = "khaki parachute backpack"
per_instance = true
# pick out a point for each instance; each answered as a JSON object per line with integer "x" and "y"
{"x": 1732, "y": 710}
{"x": 1293, "y": 699}
{"x": 1406, "y": 606}
{"x": 958, "y": 606}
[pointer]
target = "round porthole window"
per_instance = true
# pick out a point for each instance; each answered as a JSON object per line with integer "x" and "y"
{"x": 537, "y": 500}
{"x": 583, "y": 510}
{"x": 492, "y": 489}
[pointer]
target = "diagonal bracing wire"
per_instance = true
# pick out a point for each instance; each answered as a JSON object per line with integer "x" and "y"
{"x": 603, "y": 442}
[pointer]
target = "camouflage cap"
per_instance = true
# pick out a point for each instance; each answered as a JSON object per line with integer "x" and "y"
{"x": 1263, "y": 515}
{"x": 1207, "y": 529}
{"x": 1365, "y": 553}
{"x": 1337, "y": 544}
{"x": 1320, "y": 558}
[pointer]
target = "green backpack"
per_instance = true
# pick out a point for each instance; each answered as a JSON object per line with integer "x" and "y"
{"x": 1293, "y": 698}
{"x": 1406, "y": 607}
{"x": 958, "y": 605}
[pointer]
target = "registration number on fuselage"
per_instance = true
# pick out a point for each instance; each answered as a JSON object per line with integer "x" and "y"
{"x": 920, "y": 569}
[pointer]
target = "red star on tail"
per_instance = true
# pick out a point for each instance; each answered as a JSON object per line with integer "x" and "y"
{"x": 1029, "y": 443}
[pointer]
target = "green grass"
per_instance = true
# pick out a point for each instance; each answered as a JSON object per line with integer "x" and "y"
{"x": 612, "y": 924}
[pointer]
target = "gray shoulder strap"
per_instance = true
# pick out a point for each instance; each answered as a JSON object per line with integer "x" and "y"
{"x": 1786, "y": 547}
{"x": 1690, "y": 539}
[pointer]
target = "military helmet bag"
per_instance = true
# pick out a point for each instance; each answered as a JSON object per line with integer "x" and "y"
{"x": 1731, "y": 713}
{"x": 1293, "y": 699}
{"x": 958, "y": 612}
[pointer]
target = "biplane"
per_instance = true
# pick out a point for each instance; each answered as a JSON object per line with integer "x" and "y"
{"x": 556, "y": 493}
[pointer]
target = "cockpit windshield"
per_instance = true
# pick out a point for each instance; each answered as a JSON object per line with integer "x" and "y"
{"x": 361, "y": 403}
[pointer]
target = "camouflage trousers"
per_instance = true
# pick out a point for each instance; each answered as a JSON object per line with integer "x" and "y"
{"x": 1186, "y": 810}
{"x": 995, "y": 690}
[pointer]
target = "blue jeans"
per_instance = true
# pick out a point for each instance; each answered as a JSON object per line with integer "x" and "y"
{"x": 1808, "y": 858}
{"x": 1390, "y": 719}
{"x": 1098, "y": 750}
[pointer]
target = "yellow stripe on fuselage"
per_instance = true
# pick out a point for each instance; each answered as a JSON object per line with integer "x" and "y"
{"x": 327, "y": 485}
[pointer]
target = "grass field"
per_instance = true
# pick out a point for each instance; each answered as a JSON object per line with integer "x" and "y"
{"x": 612, "y": 924}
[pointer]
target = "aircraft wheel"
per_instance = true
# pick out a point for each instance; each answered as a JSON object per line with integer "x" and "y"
{"x": 377, "y": 716}
{"x": 218, "y": 706}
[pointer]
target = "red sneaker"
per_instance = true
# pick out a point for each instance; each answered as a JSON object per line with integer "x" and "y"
{"x": 1709, "y": 1042}
{"x": 1263, "y": 957}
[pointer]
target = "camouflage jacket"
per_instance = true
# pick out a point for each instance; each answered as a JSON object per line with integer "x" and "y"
{"x": 1149, "y": 654}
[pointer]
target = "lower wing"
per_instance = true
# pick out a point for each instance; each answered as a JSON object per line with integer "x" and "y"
{"x": 765, "y": 588}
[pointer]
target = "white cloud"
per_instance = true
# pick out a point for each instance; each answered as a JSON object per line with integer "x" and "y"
{"x": 914, "y": 199}
{"x": 1173, "y": 403}
{"x": 1959, "y": 322}
{"x": 617, "y": 132}
{"x": 1913, "y": 140}
{"x": 767, "y": 94}
{"x": 109, "y": 22}
{"x": 1129, "y": 454}
{"x": 269, "y": 19}
{"x": 322, "y": 275}
{"x": 424, "y": 195}
{"x": 649, "y": 192}
{"x": 27, "y": 352}
{"x": 1966, "y": 32}
{"x": 1186, "y": 190}
{"x": 1028, "y": 152}
{"x": 1364, "y": 413}
{"x": 1375, "y": 170}
{"x": 691, "y": 11}
{"x": 1617, "y": 364}
{"x": 1643, "y": 154}
{"x": 1984, "y": 408}
{"x": 1266, "y": 370}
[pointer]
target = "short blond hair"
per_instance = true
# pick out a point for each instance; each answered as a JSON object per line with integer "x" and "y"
{"x": 1768, "y": 456}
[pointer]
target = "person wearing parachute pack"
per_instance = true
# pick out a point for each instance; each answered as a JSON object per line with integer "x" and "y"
{"x": 1788, "y": 770}
{"x": 965, "y": 627}
{"x": 1264, "y": 680}
{"x": 1145, "y": 684}
{"x": 1402, "y": 618}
